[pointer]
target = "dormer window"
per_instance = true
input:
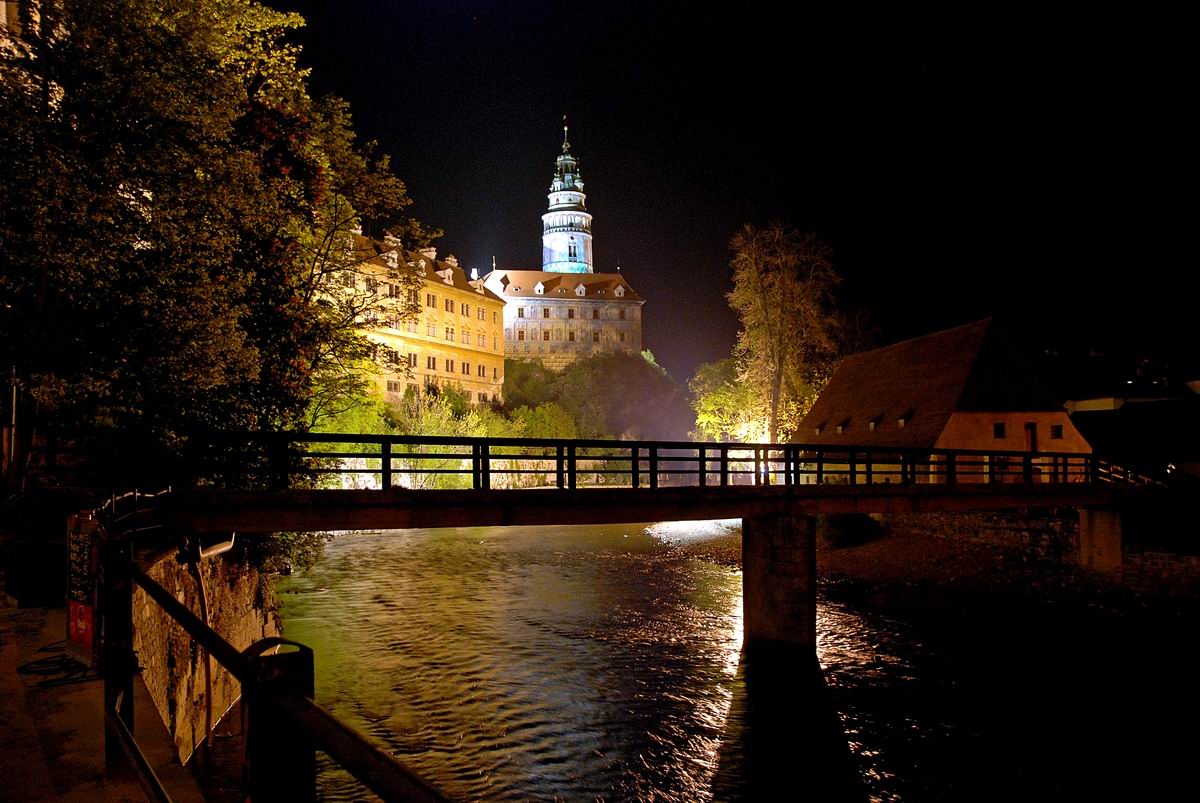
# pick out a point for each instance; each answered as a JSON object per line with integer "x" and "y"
{"x": 842, "y": 427}
{"x": 819, "y": 428}
{"x": 873, "y": 424}
{"x": 539, "y": 288}
{"x": 619, "y": 292}
{"x": 580, "y": 290}
{"x": 904, "y": 419}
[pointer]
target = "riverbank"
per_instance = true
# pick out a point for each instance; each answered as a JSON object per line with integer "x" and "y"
{"x": 924, "y": 569}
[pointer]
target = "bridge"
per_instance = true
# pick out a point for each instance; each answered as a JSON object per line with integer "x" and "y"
{"x": 323, "y": 482}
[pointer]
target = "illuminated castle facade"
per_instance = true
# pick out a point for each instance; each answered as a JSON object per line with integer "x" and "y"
{"x": 566, "y": 311}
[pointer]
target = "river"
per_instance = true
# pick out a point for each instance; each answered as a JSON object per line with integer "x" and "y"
{"x": 604, "y": 662}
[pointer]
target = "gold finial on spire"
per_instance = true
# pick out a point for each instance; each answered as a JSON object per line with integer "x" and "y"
{"x": 566, "y": 144}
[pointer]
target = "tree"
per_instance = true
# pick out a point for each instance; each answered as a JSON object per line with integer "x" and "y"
{"x": 726, "y": 409}
{"x": 173, "y": 209}
{"x": 783, "y": 292}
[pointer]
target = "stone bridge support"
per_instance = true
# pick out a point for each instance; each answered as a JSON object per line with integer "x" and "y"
{"x": 1100, "y": 542}
{"x": 779, "y": 581}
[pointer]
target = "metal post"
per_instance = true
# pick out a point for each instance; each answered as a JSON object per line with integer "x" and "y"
{"x": 653, "y": 466}
{"x": 385, "y": 465}
{"x": 281, "y": 758}
{"x": 117, "y": 659}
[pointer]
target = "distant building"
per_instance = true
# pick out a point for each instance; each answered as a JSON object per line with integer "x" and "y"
{"x": 963, "y": 388}
{"x": 566, "y": 311}
{"x": 457, "y": 338}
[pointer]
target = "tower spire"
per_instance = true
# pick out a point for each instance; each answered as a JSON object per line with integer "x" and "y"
{"x": 566, "y": 144}
{"x": 567, "y": 226}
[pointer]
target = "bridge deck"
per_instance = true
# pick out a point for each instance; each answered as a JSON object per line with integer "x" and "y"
{"x": 397, "y": 508}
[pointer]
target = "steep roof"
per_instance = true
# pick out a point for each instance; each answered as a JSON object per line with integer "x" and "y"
{"x": 522, "y": 284}
{"x": 431, "y": 270}
{"x": 922, "y": 381}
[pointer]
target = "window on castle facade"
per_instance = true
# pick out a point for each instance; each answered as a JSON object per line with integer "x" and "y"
{"x": 570, "y": 312}
{"x": 393, "y": 386}
{"x": 466, "y": 368}
{"x": 546, "y": 335}
{"x": 621, "y": 314}
{"x": 595, "y": 337}
{"x": 482, "y": 371}
{"x": 520, "y": 312}
{"x": 571, "y": 336}
{"x": 520, "y": 334}
{"x": 595, "y": 315}
{"x": 545, "y": 312}
{"x": 412, "y": 359}
{"x": 622, "y": 337}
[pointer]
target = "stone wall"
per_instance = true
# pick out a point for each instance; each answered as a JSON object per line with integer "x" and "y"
{"x": 1161, "y": 572}
{"x": 1051, "y": 535}
{"x": 171, "y": 662}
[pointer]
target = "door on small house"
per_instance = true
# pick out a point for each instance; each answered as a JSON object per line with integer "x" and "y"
{"x": 1031, "y": 445}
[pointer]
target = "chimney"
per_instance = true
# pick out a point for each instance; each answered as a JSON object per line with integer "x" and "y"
{"x": 391, "y": 240}
{"x": 452, "y": 260}
{"x": 474, "y": 274}
{"x": 429, "y": 253}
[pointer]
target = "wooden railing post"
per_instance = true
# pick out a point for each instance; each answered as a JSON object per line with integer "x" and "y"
{"x": 281, "y": 759}
{"x": 867, "y": 464}
{"x": 485, "y": 466}
{"x": 853, "y": 465}
{"x": 951, "y": 468}
{"x": 476, "y": 468}
{"x": 1028, "y": 469}
{"x": 724, "y": 466}
{"x": 118, "y": 662}
{"x": 653, "y": 466}
{"x": 820, "y": 467}
{"x": 702, "y": 458}
{"x": 757, "y": 465}
{"x": 635, "y": 467}
{"x": 560, "y": 470}
{"x": 385, "y": 465}
{"x": 277, "y": 461}
{"x": 572, "y": 467}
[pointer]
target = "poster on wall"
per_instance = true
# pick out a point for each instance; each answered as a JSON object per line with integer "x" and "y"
{"x": 82, "y": 546}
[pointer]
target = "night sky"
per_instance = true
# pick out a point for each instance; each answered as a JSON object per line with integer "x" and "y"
{"x": 1026, "y": 167}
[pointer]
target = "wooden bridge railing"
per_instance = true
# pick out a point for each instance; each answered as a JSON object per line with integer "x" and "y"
{"x": 430, "y": 462}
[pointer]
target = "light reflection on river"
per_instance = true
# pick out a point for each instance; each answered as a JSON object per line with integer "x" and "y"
{"x": 603, "y": 662}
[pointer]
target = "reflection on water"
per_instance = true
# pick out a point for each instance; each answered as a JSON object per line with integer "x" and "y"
{"x": 604, "y": 662}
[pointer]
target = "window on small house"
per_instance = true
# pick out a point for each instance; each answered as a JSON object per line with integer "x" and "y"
{"x": 466, "y": 368}
{"x": 449, "y": 305}
{"x": 482, "y": 340}
{"x": 481, "y": 313}
{"x": 482, "y": 372}
{"x": 449, "y": 366}
{"x": 393, "y": 386}
{"x": 999, "y": 431}
{"x": 1056, "y": 432}
{"x": 494, "y": 374}
{"x": 393, "y": 290}
{"x": 483, "y": 398}
{"x": 431, "y": 363}
{"x": 431, "y": 329}
{"x": 466, "y": 338}
{"x": 372, "y": 284}
{"x": 842, "y": 427}
{"x": 412, "y": 359}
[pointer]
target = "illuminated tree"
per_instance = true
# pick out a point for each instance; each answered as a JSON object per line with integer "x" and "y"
{"x": 726, "y": 409}
{"x": 173, "y": 209}
{"x": 783, "y": 292}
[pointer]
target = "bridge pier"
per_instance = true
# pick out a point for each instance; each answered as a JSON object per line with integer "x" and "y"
{"x": 779, "y": 581}
{"x": 1100, "y": 547}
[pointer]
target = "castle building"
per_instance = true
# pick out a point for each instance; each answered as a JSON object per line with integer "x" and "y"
{"x": 456, "y": 339}
{"x": 566, "y": 311}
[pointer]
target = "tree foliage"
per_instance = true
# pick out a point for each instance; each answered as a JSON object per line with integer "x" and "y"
{"x": 173, "y": 210}
{"x": 783, "y": 293}
{"x": 725, "y": 407}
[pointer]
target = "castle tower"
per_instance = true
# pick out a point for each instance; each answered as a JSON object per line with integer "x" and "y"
{"x": 566, "y": 226}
